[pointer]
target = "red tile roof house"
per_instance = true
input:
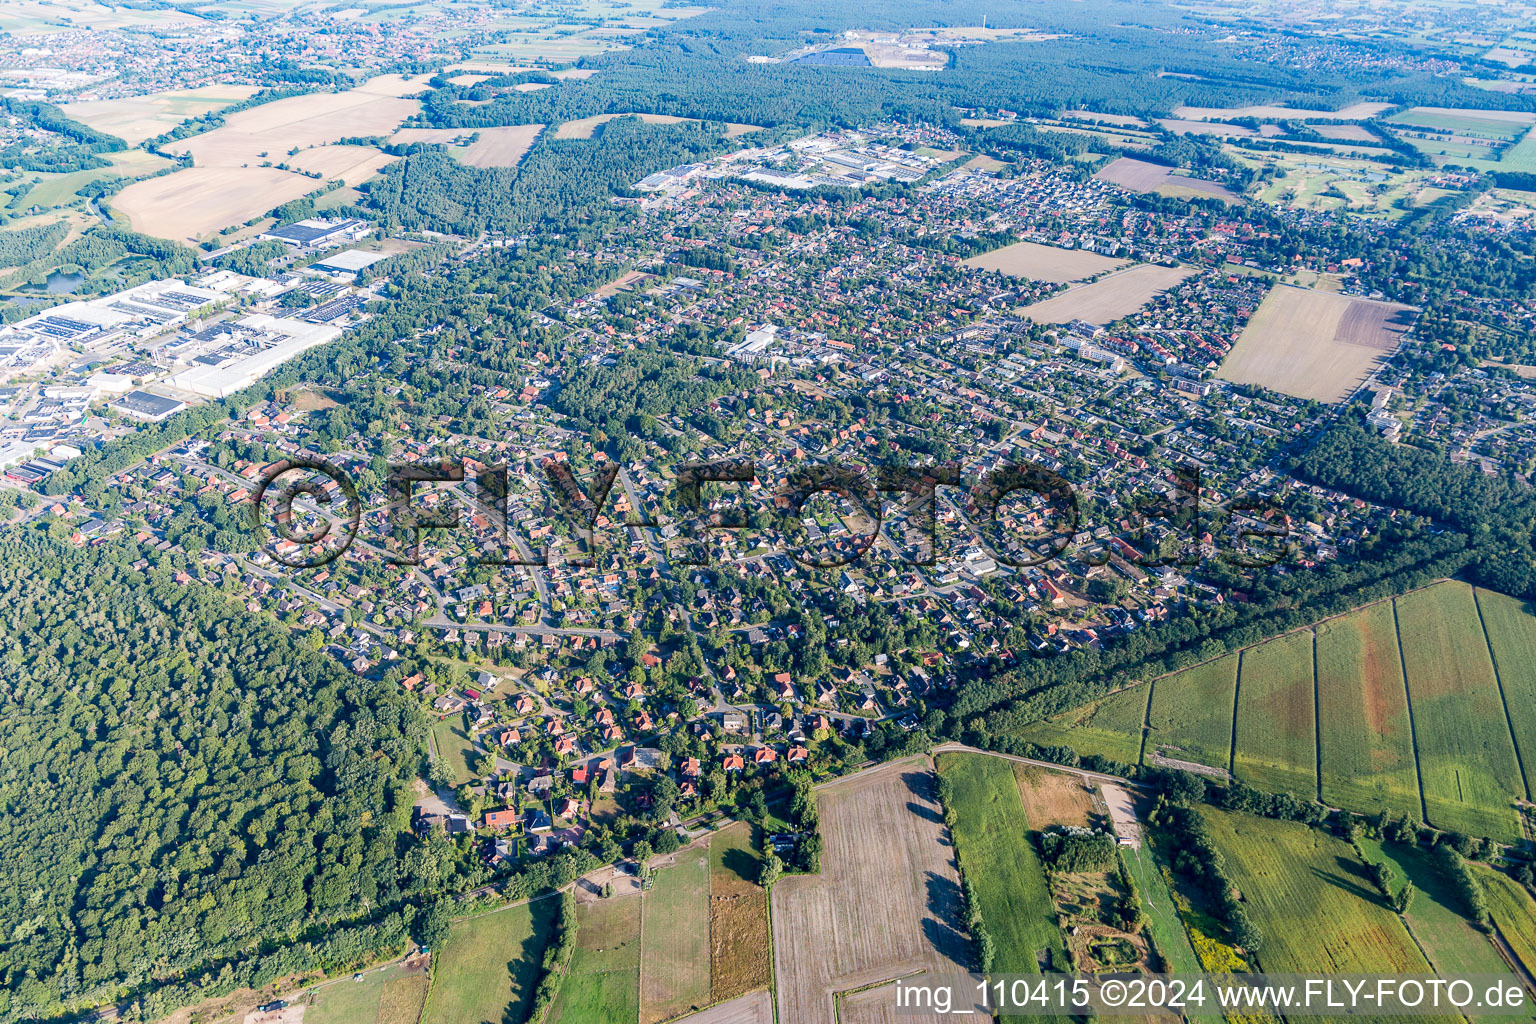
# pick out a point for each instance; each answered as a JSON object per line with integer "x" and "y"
{"x": 500, "y": 819}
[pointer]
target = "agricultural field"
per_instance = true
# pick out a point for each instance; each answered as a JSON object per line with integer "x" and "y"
{"x": 991, "y": 840}
{"x": 1275, "y": 735}
{"x": 603, "y": 984}
{"x": 1467, "y": 761}
{"x": 1353, "y": 112}
{"x": 1345, "y": 132}
{"x": 754, "y": 1008}
{"x": 1191, "y": 714}
{"x": 136, "y": 118}
{"x": 1045, "y": 262}
{"x": 1141, "y": 176}
{"x": 1314, "y": 344}
{"x": 500, "y": 147}
{"x": 738, "y": 915}
{"x": 587, "y": 126}
{"x": 1436, "y": 918}
{"x": 1485, "y": 139}
{"x": 1511, "y": 630}
{"x": 887, "y": 901}
{"x": 228, "y": 183}
{"x": 1109, "y": 298}
{"x": 1054, "y": 798}
{"x": 1312, "y": 899}
{"x": 1111, "y": 727}
{"x": 1513, "y": 911}
{"x": 1365, "y": 737}
{"x": 392, "y": 994}
{"x": 490, "y": 964}
{"x": 674, "y": 938}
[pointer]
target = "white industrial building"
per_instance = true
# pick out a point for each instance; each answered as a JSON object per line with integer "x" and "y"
{"x": 230, "y": 356}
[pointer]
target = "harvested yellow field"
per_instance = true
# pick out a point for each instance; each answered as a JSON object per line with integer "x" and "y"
{"x": 887, "y": 901}
{"x": 199, "y": 201}
{"x": 352, "y": 164}
{"x": 136, "y": 118}
{"x": 493, "y": 147}
{"x": 584, "y": 128}
{"x": 1314, "y": 344}
{"x": 1045, "y": 262}
{"x": 501, "y": 147}
{"x": 228, "y": 184}
{"x": 1109, "y": 298}
{"x": 318, "y": 119}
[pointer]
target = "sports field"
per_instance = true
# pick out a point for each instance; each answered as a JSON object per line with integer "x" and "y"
{"x": 1276, "y": 730}
{"x": 1045, "y": 262}
{"x": 490, "y": 964}
{"x": 1314, "y": 344}
{"x": 1109, "y": 298}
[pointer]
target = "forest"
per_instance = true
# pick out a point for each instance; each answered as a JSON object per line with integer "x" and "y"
{"x": 1116, "y": 57}
{"x": 182, "y": 780}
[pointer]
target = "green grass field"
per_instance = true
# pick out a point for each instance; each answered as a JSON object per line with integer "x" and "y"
{"x": 388, "y": 995}
{"x": 1366, "y": 742}
{"x": 991, "y": 839}
{"x": 674, "y": 939}
{"x": 1110, "y": 727}
{"x": 1163, "y": 920}
{"x": 490, "y": 965}
{"x": 1312, "y": 899}
{"x": 1276, "y": 732}
{"x": 1466, "y": 757}
{"x": 454, "y": 747}
{"x": 1514, "y": 912}
{"x": 1511, "y": 630}
{"x": 1191, "y": 713}
{"x": 1434, "y": 918}
{"x": 603, "y": 985}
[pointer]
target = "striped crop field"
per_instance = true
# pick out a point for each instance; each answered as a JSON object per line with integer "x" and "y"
{"x": 1365, "y": 737}
{"x": 1276, "y": 732}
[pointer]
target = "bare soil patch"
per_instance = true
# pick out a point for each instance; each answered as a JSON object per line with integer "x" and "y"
{"x": 754, "y": 1008}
